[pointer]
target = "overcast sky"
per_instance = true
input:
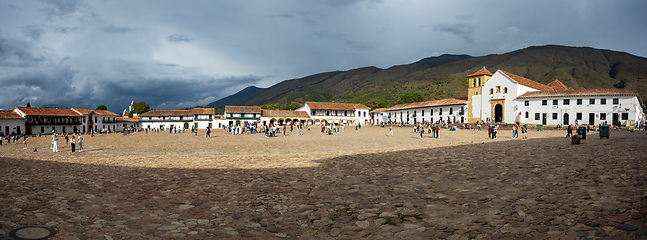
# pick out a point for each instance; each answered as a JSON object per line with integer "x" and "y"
{"x": 66, "y": 53}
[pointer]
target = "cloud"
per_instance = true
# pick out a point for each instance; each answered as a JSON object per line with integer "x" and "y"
{"x": 114, "y": 29}
{"x": 463, "y": 30}
{"x": 179, "y": 38}
{"x": 34, "y": 32}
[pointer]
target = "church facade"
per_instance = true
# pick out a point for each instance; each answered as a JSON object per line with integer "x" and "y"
{"x": 508, "y": 98}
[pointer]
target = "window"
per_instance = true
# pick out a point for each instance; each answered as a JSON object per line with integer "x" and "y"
{"x": 474, "y": 83}
{"x": 451, "y": 111}
{"x": 440, "y": 111}
{"x": 554, "y": 116}
{"x": 603, "y": 116}
{"x": 505, "y": 90}
{"x": 526, "y": 114}
{"x": 544, "y": 102}
{"x": 491, "y": 91}
{"x": 498, "y": 89}
{"x": 578, "y": 116}
{"x": 431, "y": 112}
{"x": 555, "y": 102}
{"x": 579, "y": 101}
{"x": 537, "y": 116}
{"x": 526, "y": 103}
{"x": 479, "y": 81}
{"x": 615, "y": 101}
{"x": 603, "y": 101}
{"x": 423, "y": 113}
{"x": 567, "y": 101}
{"x": 625, "y": 116}
{"x": 592, "y": 101}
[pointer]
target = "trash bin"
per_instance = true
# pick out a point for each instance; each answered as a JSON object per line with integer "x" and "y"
{"x": 582, "y": 132}
{"x": 604, "y": 131}
{"x": 540, "y": 127}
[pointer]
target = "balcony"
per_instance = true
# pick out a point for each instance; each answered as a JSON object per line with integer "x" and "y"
{"x": 109, "y": 121}
{"x": 202, "y": 119}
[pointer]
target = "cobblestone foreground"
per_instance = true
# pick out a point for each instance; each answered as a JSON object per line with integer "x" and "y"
{"x": 356, "y": 184}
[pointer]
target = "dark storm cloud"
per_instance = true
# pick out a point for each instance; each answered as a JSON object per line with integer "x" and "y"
{"x": 179, "y": 38}
{"x": 170, "y": 54}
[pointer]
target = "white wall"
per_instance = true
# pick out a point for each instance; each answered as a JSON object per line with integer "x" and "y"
{"x": 599, "y": 110}
{"x": 13, "y": 125}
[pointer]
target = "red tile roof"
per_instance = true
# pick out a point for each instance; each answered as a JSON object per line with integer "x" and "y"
{"x": 9, "y": 114}
{"x": 83, "y": 111}
{"x": 335, "y": 106}
{"x": 86, "y": 111}
{"x": 481, "y": 72}
{"x": 557, "y": 85}
{"x": 242, "y": 109}
{"x": 203, "y": 111}
{"x": 435, "y": 103}
{"x": 285, "y": 114}
{"x": 578, "y": 93}
{"x": 31, "y": 111}
{"x": 105, "y": 112}
{"x": 527, "y": 82}
{"x": 166, "y": 113}
{"x": 132, "y": 119}
{"x": 379, "y": 110}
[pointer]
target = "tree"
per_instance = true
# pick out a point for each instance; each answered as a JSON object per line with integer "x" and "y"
{"x": 139, "y": 108}
{"x": 102, "y": 107}
{"x": 28, "y": 104}
{"x": 375, "y": 103}
{"x": 292, "y": 107}
{"x": 411, "y": 98}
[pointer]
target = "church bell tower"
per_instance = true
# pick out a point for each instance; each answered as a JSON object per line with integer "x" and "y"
{"x": 475, "y": 82}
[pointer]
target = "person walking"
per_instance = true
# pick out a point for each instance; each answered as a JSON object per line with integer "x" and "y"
{"x": 208, "y": 132}
{"x": 421, "y": 129}
{"x": 24, "y": 142}
{"x": 390, "y": 131}
{"x": 569, "y": 131}
{"x": 514, "y": 131}
{"x": 72, "y": 143}
{"x": 524, "y": 130}
{"x": 80, "y": 143}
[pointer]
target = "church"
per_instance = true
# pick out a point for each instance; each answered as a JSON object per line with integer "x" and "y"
{"x": 504, "y": 97}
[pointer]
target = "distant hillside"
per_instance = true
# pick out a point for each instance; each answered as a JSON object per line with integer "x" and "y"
{"x": 237, "y": 97}
{"x": 445, "y": 76}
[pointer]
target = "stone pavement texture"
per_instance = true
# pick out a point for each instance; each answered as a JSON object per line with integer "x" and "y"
{"x": 355, "y": 184}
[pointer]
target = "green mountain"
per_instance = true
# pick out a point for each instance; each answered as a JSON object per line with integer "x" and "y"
{"x": 445, "y": 76}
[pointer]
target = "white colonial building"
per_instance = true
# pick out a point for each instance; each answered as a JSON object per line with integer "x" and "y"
{"x": 450, "y": 110}
{"x": 97, "y": 120}
{"x": 379, "y": 116}
{"x": 337, "y": 113}
{"x": 11, "y": 123}
{"x": 508, "y": 98}
{"x": 46, "y": 120}
{"x": 593, "y": 107}
{"x": 197, "y": 118}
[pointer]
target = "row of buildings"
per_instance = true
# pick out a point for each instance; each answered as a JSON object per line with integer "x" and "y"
{"x": 508, "y": 98}
{"x": 500, "y": 97}
{"x": 30, "y": 120}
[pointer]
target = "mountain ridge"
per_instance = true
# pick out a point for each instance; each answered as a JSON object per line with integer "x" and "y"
{"x": 445, "y": 76}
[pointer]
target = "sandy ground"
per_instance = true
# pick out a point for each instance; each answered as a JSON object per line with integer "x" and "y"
{"x": 354, "y": 184}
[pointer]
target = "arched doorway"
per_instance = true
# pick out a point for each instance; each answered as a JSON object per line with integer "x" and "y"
{"x": 566, "y": 118}
{"x": 498, "y": 113}
{"x": 186, "y": 125}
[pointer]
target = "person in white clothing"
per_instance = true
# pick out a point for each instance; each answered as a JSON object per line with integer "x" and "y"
{"x": 55, "y": 144}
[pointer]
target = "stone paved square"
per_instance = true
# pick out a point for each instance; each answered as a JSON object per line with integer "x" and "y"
{"x": 354, "y": 184}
